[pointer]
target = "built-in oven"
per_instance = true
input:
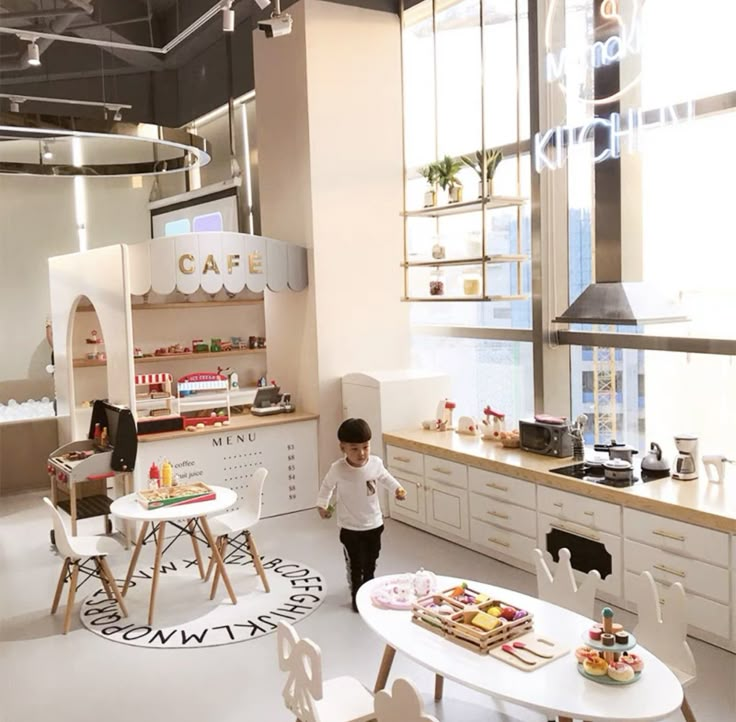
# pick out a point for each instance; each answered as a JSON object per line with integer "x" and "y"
{"x": 589, "y": 549}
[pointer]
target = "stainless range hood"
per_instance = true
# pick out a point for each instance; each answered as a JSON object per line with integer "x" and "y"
{"x": 621, "y": 303}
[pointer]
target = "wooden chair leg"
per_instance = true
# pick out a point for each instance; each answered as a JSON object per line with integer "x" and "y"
{"x": 439, "y": 683}
{"x": 103, "y": 578}
{"x": 70, "y": 598}
{"x": 687, "y": 711}
{"x": 60, "y": 585}
{"x": 113, "y": 585}
{"x": 251, "y": 544}
{"x": 222, "y": 546}
{"x": 211, "y": 565}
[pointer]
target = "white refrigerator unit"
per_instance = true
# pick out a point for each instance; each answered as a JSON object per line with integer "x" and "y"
{"x": 392, "y": 400}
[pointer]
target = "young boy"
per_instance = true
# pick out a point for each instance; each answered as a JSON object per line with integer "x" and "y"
{"x": 354, "y": 480}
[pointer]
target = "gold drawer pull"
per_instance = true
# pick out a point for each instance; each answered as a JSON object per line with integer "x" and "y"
{"x": 668, "y": 535}
{"x": 589, "y": 513}
{"x": 500, "y": 542}
{"x": 661, "y": 601}
{"x": 402, "y": 459}
{"x": 558, "y": 504}
{"x": 411, "y": 481}
{"x": 440, "y": 470}
{"x": 500, "y": 487}
{"x": 669, "y": 570}
{"x": 562, "y": 527}
{"x": 498, "y": 514}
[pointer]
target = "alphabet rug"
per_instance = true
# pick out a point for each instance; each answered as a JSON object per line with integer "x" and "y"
{"x": 184, "y": 616}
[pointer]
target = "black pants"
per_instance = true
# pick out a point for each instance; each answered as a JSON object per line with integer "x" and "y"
{"x": 361, "y": 554}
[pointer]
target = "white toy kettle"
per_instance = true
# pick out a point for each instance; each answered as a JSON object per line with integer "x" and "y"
{"x": 425, "y": 582}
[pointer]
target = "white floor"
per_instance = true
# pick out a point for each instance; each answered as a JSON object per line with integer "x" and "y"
{"x": 81, "y": 677}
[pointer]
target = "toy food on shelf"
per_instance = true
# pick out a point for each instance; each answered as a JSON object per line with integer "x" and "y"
{"x": 467, "y": 425}
{"x": 493, "y": 425}
{"x": 94, "y": 337}
{"x": 606, "y": 657}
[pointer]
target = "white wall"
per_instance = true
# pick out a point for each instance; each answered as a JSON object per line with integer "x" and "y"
{"x": 329, "y": 137}
{"x": 37, "y": 220}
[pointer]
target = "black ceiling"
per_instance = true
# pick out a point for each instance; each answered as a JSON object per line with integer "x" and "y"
{"x": 169, "y": 89}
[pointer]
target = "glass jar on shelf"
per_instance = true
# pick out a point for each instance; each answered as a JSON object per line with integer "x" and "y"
{"x": 437, "y": 282}
{"x": 438, "y": 248}
{"x": 471, "y": 282}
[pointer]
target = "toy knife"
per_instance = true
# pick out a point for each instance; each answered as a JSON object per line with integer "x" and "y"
{"x": 510, "y": 650}
{"x": 521, "y": 645}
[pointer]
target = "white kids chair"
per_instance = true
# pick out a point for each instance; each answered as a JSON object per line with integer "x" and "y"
{"x": 76, "y": 550}
{"x": 402, "y": 704}
{"x": 307, "y": 695}
{"x": 665, "y": 635}
{"x": 562, "y": 589}
{"x": 228, "y": 528}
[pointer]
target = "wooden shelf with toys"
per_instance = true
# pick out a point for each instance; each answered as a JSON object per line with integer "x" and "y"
{"x": 82, "y": 363}
{"x": 184, "y": 305}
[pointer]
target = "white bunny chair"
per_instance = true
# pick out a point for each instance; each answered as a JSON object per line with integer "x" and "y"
{"x": 307, "y": 695}
{"x": 562, "y": 589}
{"x": 665, "y": 636}
{"x": 402, "y": 704}
{"x": 227, "y": 529}
{"x": 75, "y": 551}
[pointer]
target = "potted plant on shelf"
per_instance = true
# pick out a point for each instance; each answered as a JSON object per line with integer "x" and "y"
{"x": 430, "y": 174}
{"x": 447, "y": 170}
{"x": 492, "y": 159}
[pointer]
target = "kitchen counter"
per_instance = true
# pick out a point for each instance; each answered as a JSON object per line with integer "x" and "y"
{"x": 239, "y": 422}
{"x": 700, "y": 502}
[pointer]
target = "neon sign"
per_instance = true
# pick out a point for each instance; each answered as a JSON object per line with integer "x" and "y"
{"x": 564, "y": 66}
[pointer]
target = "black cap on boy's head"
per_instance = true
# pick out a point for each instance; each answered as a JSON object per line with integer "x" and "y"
{"x": 354, "y": 431}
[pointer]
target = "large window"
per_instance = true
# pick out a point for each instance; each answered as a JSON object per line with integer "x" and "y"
{"x": 668, "y": 209}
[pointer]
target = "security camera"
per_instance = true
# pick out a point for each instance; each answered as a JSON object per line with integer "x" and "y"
{"x": 276, "y": 25}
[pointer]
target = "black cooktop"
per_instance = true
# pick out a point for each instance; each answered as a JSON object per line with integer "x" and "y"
{"x": 594, "y": 474}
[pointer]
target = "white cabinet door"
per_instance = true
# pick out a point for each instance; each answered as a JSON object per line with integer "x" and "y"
{"x": 447, "y": 509}
{"x": 413, "y": 506}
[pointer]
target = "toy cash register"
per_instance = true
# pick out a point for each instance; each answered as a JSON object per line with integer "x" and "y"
{"x": 269, "y": 400}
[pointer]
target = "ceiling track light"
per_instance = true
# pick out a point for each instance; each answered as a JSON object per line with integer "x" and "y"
{"x": 228, "y": 16}
{"x": 34, "y": 54}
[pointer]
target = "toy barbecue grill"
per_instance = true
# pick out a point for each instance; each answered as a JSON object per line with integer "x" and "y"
{"x": 79, "y": 470}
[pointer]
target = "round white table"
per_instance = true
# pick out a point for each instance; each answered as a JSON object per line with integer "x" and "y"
{"x": 195, "y": 514}
{"x": 556, "y": 687}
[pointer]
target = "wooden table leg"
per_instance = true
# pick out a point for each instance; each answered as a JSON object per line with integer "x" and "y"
{"x": 222, "y": 541}
{"x": 439, "y": 683}
{"x": 156, "y": 568}
{"x": 383, "y": 671}
{"x": 218, "y": 558}
{"x": 192, "y": 527}
{"x": 687, "y": 711}
{"x": 564, "y": 719}
{"x": 136, "y": 553}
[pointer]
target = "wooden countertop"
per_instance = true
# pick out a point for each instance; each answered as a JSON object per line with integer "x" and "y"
{"x": 237, "y": 423}
{"x": 699, "y": 502}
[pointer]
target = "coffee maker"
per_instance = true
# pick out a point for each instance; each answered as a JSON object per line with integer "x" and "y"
{"x": 687, "y": 460}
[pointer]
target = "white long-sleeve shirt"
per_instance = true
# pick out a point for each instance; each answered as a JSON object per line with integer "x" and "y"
{"x": 355, "y": 489}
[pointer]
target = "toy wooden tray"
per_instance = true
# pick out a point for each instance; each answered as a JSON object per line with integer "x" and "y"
{"x": 533, "y": 652}
{"x": 479, "y": 626}
{"x": 175, "y": 495}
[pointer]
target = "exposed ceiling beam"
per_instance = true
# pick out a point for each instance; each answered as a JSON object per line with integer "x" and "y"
{"x": 22, "y": 15}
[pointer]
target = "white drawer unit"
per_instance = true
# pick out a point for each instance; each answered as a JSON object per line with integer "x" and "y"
{"x": 599, "y": 515}
{"x": 502, "y": 542}
{"x": 447, "y": 508}
{"x": 446, "y": 472}
{"x": 589, "y": 549}
{"x": 413, "y": 507}
{"x": 677, "y": 537}
{"x": 506, "y": 488}
{"x": 499, "y": 513}
{"x": 398, "y": 460}
{"x": 702, "y": 613}
{"x": 695, "y": 576}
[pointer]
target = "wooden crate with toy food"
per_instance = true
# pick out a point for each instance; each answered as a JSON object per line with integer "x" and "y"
{"x": 175, "y": 495}
{"x": 471, "y": 618}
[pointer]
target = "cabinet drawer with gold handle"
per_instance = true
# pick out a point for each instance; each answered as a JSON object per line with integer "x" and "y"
{"x": 506, "y": 488}
{"x": 497, "y": 542}
{"x": 504, "y": 515}
{"x": 600, "y": 515}
{"x": 447, "y": 472}
{"x": 398, "y": 459}
{"x": 677, "y": 537}
{"x": 696, "y": 576}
